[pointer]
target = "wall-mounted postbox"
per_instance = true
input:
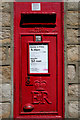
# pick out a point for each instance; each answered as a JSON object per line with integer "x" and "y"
{"x": 38, "y": 60}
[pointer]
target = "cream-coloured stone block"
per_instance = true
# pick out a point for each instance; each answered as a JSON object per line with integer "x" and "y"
{"x": 73, "y": 109}
{"x": 6, "y": 17}
{"x": 6, "y": 92}
{"x": 73, "y": 52}
{"x": 71, "y": 72}
{"x": 72, "y": 36}
{"x": 4, "y": 110}
{"x": 72, "y": 5}
{"x": 5, "y": 72}
{"x": 73, "y": 91}
{"x": 72, "y": 18}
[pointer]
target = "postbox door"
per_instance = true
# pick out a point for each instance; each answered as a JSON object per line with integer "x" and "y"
{"x": 39, "y": 84}
{"x": 38, "y": 60}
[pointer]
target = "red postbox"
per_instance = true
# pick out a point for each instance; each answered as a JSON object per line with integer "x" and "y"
{"x": 38, "y": 60}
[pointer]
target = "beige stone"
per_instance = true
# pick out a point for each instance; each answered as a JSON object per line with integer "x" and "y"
{"x": 71, "y": 72}
{"x": 5, "y": 19}
{"x": 5, "y": 74}
{"x": 4, "y": 110}
{"x": 0, "y": 78}
{"x": 0, "y": 54}
{"x": 4, "y": 41}
{"x": 0, "y": 111}
{"x": 0, "y": 92}
{"x": 6, "y": 6}
{"x": 9, "y": 51}
{"x": 6, "y": 92}
{"x": 4, "y": 53}
{"x": 73, "y": 91}
{"x": 72, "y": 18}
{"x": 5, "y": 33}
{"x": 79, "y": 73}
{"x": 0, "y": 21}
{"x": 8, "y": 0}
{"x": 72, "y": 5}
{"x": 72, "y": 36}
{"x": 72, "y": 52}
{"x": 73, "y": 109}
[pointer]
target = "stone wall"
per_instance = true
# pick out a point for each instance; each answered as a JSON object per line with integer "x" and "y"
{"x": 72, "y": 60}
{"x": 5, "y": 69}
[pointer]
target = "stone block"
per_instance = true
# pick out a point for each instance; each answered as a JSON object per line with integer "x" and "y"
{"x": 0, "y": 92}
{"x": 5, "y": 110}
{"x": 72, "y": 36}
{"x": 73, "y": 109}
{"x": 6, "y": 92}
{"x": 5, "y": 55}
{"x": 5, "y": 74}
{"x": 79, "y": 73}
{"x": 72, "y": 1}
{"x": 74, "y": 91}
{"x": 72, "y": 19}
{"x": 72, "y": 6}
{"x": 3, "y": 49}
{"x": 0, "y": 21}
{"x": 6, "y": 6}
{"x": 73, "y": 52}
{"x": 71, "y": 72}
{"x": 9, "y": 53}
{"x": 9, "y": 1}
{"x": 0, "y": 78}
{"x": 5, "y": 19}
{"x": 1, "y": 55}
{"x": 5, "y": 35}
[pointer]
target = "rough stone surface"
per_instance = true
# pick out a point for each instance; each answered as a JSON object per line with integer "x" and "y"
{"x": 6, "y": 92}
{"x": 7, "y": 40}
{"x": 5, "y": 74}
{"x": 72, "y": 18}
{"x": 73, "y": 109}
{"x": 72, "y": 52}
{"x": 9, "y": 53}
{"x": 72, "y": 1}
{"x": 3, "y": 49}
{"x": 4, "y": 110}
{"x": 71, "y": 72}
{"x": 0, "y": 20}
{"x": 0, "y": 55}
{"x": 79, "y": 72}
{"x": 72, "y": 36}
{"x": 72, "y": 6}
{"x": 5, "y": 59}
{"x": 73, "y": 91}
{"x": 72, "y": 21}
{"x": 5, "y": 71}
{"x": 5, "y": 19}
{"x": 0, "y": 78}
{"x": 0, "y": 92}
{"x": 3, "y": 53}
{"x": 0, "y": 111}
{"x": 6, "y": 6}
{"x": 5, "y": 35}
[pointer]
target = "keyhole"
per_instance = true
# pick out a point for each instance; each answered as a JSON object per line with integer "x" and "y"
{"x": 28, "y": 80}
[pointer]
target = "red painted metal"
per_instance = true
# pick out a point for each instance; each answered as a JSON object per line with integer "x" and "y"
{"x": 39, "y": 95}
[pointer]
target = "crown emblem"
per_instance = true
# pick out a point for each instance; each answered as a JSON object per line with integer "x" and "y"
{"x": 40, "y": 85}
